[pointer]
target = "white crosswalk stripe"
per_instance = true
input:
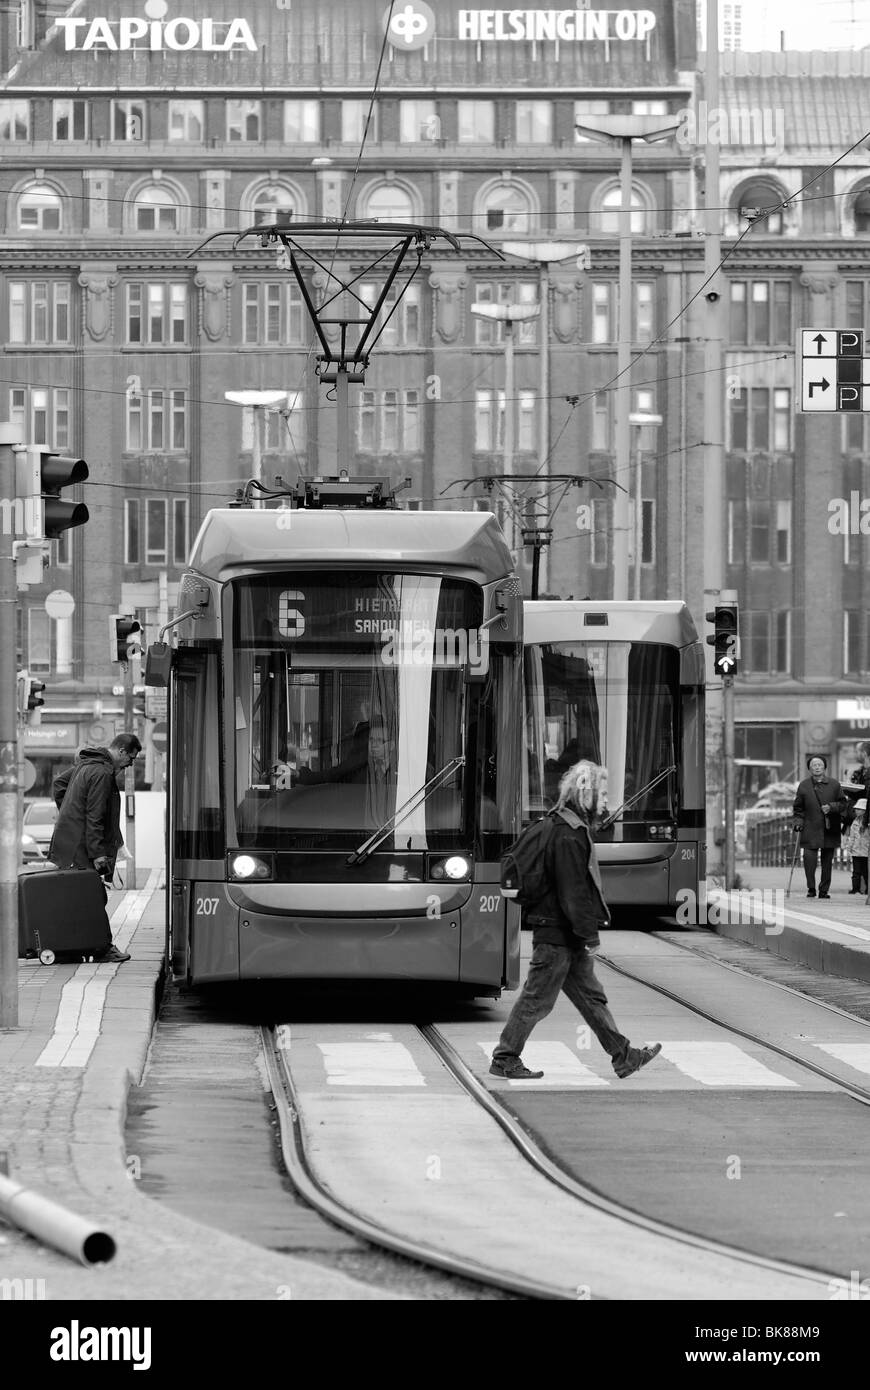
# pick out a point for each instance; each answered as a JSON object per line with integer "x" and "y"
{"x": 370, "y": 1064}
{"x": 722, "y": 1064}
{"x": 560, "y": 1065}
{"x": 855, "y": 1055}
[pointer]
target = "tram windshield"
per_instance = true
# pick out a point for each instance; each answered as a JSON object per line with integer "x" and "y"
{"x": 350, "y": 693}
{"x": 613, "y": 703}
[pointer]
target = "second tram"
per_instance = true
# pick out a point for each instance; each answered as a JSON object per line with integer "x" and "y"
{"x": 623, "y": 685}
{"x": 344, "y": 749}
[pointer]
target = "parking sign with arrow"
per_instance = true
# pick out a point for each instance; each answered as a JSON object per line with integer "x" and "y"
{"x": 834, "y": 374}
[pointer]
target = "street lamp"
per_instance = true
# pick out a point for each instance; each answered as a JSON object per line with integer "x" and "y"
{"x": 542, "y": 254}
{"x": 258, "y": 401}
{"x": 622, "y": 130}
{"x": 508, "y": 314}
{"x": 639, "y": 418}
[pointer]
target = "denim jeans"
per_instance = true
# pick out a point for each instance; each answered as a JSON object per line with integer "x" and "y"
{"x": 553, "y": 968}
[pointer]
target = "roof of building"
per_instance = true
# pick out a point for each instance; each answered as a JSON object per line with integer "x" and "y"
{"x": 821, "y": 100}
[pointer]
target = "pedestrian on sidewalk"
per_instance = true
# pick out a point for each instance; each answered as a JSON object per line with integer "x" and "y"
{"x": 87, "y": 832}
{"x": 858, "y": 845}
{"x": 818, "y": 808}
{"x": 565, "y": 923}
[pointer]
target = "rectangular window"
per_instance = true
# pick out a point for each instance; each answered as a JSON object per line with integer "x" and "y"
{"x": 476, "y": 122}
{"x": 63, "y": 548}
{"x": 760, "y": 311}
{"x": 534, "y": 122}
{"x": 739, "y": 321}
{"x": 411, "y": 438}
{"x": 38, "y": 641}
{"x": 417, "y": 122}
{"x": 179, "y": 531}
{"x": 243, "y": 121}
{"x": 782, "y": 642}
{"x": 855, "y": 301}
{"x": 488, "y": 331}
{"x": 751, "y": 426}
{"x": 488, "y": 421}
{"x": 155, "y": 531}
{"x": 14, "y": 120}
{"x": 853, "y": 432}
{"x": 782, "y": 416}
{"x": 366, "y": 422}
{"x": 781, "y": 312}
{"x": 39, "y": 311}
{"x": 644, "y": 319}
{"x": 648, "y": 531}
{"x": 282, "y": 426}
{"x": 526, "y": 439}
{"x": 157, "y": 424}
{"x": 42, "y": 414}
{"x": 783, "y": 531}
{"x": 71, "y": 119}
{"x": 585, "y": 108}
{"x": 755, "y": 652}
{"x": 272, "y": 313}
{"x": 759, "y": 424}
{"x": 178, "y": 406}
{"x": 156, "y": 312}
{"x": 599, "y": 551}
{"x": 132, "y": 553}
{"x": 389, "y": 422}
{"x": 760, "y": 319}
{"x": 301, "y": 122}
{"x": 601, "y": 421}
{"x": 187, "y": 121}
{"x": 649, "y": 108}
{"x": 759, "y": 532}
{"x": 128, "y": 120}
{"x": 603, "y": 300}
{"x": 736, "y": 531}
{"x": 353, "y": 122}
{"x": 400, "y": 323}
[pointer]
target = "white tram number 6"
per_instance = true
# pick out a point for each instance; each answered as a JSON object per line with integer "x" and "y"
{"x": 206, "y": 907}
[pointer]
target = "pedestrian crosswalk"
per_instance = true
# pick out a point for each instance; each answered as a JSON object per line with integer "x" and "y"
{"x": 377, "y": 1060}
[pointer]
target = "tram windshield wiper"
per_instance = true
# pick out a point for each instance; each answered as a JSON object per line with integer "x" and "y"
{"x": 416, "y": 799}
{"x": 615, "y": 815}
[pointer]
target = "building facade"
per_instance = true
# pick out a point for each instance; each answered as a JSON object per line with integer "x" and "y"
{"x": 137, "y": 140}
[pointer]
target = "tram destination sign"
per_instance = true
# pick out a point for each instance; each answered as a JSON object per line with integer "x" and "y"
{"x": 834, "y": 373}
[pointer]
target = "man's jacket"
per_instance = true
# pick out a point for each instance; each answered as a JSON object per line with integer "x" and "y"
{"x": 572, "y": 910}
{"x": 88, "y": 825}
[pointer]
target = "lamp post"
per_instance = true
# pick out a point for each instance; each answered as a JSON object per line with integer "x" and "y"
{"x": 508, "y": 314}
{"x": 639, "y": 418}
{"x": 622, "y": 131}
{"x": 543, "y": 254}
{"x": 258, "y": 401}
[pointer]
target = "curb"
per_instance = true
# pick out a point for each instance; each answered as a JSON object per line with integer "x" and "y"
{"x": 821, "y": 949}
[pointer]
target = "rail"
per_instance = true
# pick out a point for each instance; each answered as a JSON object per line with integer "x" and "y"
{"x": 770, "y": 844}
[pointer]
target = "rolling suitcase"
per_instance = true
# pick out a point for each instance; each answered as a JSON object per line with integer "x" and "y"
{"x": 62, "y": 915}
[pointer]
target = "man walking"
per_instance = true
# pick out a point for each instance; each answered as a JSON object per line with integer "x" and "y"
{"x": 565, "y": 923}
{"x": 87, "y": 832}
{"x": 818, "y": 803}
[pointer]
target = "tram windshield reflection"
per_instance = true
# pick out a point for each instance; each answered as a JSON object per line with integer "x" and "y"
{"x": 349, "y": 693}
{"x": 613, "y": 703}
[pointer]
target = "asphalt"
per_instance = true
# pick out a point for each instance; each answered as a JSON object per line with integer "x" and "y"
{"x": 65, "y": 1072}
{"x": 82, "y": 1042}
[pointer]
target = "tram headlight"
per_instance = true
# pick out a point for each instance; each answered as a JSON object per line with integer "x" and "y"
{"x": 249, "y": 866}
{"x": 454, "y": 866}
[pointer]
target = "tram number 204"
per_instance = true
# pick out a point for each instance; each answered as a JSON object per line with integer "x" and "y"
{"x": 206, "y": 907}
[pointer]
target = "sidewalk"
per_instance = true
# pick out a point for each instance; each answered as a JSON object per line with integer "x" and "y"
{"x": 82, "y": 1041}
{"x": 831, "y": 936}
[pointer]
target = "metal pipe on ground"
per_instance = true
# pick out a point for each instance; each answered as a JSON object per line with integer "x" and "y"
{"x": 51, "y": 1223}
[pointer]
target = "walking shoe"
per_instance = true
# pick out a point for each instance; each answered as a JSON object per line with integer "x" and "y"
{"x": 824, "y": 895}
{"x": 113, "y": 956}
{"x": 514, "y": 1071}
{"x": 811, "y": 893}
{"x": 637, "y": 1058}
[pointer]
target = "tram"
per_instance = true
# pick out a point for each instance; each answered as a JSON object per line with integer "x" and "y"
{"x": 344, "y": 749}
{"x": 622, "y": 683}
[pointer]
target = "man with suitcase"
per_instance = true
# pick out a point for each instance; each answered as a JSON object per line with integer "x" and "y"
{"x": 87, "y": 833}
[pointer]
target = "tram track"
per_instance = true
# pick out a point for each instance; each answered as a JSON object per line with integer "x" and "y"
{"x": 858, "y": 1093}
{"x": 688, "y": 1246}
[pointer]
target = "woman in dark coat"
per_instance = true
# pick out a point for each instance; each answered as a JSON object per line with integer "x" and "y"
{"x": 818, "y": 805}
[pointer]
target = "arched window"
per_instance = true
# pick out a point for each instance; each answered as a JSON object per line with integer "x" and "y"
{"x": 273, "y": 203}
{"x": 608, "y": 219}
{"x": 155, "y": 210}
{"x": 389, "y": 203}
{"x": 39, "y": 210}
{"x": 861, "y": 210}
{"x": 507, "y": 208}
{"x": 753, "y": 198}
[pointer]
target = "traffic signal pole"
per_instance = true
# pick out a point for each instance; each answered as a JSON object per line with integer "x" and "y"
{"x": 9, "y": 828}
{"x": 728, "y": 711}
{"x": 129, "y": 784}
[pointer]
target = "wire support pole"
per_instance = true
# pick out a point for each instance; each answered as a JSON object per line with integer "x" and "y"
{"x": 9, "y": 826}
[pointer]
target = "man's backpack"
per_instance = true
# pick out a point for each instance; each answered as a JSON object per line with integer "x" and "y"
{"x": 524, "y": 874}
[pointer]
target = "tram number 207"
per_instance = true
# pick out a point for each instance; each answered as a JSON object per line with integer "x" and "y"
{"x": 490, "y": 902}
{"x": 206, "y": 907}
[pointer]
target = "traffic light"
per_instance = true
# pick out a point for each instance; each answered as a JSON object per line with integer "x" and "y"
{"x": 41, "y": 476}
{"x": 23, "y": 686}
{"x": 35, "y": 700}
{"x": 124, "y": 640}
{"x": 724, "y": 639}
